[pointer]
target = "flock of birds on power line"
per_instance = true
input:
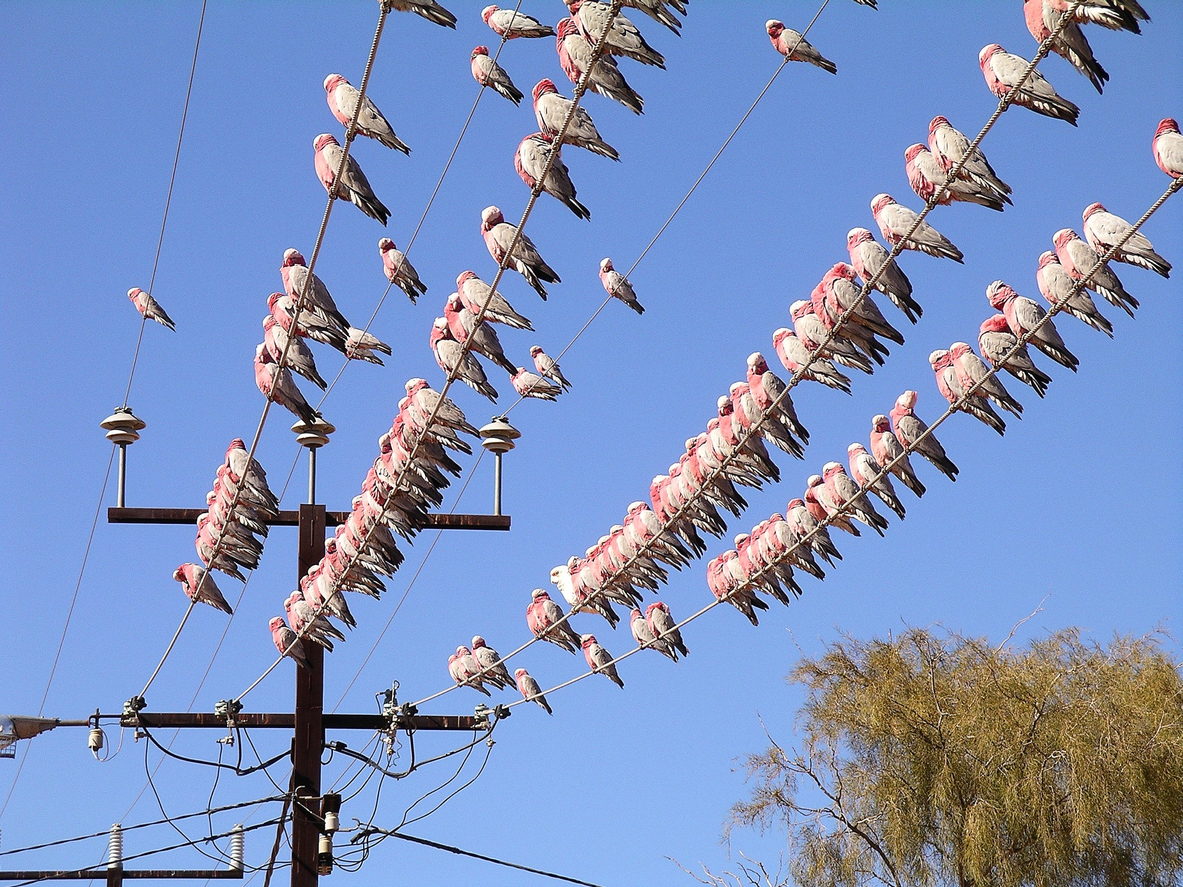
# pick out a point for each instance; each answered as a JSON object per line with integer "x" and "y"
{"x": 836, "y": 326}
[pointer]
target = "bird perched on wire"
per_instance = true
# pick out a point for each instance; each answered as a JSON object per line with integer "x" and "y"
{"x": 528, "y": 384}
{"x": 1168, "y": 148}
{"x": 287, "y": 643}
{"x": 551, "y": 109}
{"x": 949, "y": 146}
{"x": 354, "y": 186}
{"x": 895, "y": 220}
{"x": 794, "y": 47}
{"x": 1070, "y": 43}
{"x": 530, "y": 690}
{"x": 575, "y": 54}
{"x": 1000, "y": 346}
{"x": 293, "y": 270}
{"x": 399, "y": 271}
{"x": 199, "y": 586}
{"x": 488, "y": 73}
{"x": 547, "y": 367}
{"x": 429, "y": 9}
{"x": 886, "y": 449}
{"x": 1082, "y": 261}
{"x": 464, "y": 670}
{"x": 927, "y": 179}
{"x": 498, "y": 234}
{"x": 1023, "y": 316}
{"x": 913, "y": 432}
{"x": 868, "y": 259}
{"x": 511, "y": 24}
{"x": 454, "y": 361}
{"x": 795, "y": 356}
{"x": 1103, "y": 230}
{"x": 599, "y": 659}
{"x": 1055, "y": 285}
{"x": 664, "y": 628}
{"x": 276, "y": 383}
{"x": 1004, "y": 71}
{"x": 299, "y": 356}
{"x": 493, "y": 669}
{"x": 621, "y": 39}
{"x": 476, "y": 295}
{"x": 463, "y": 325}
{"x": 343, "y": 99}
{"x": 530, "y": 160}
{"x": 618, "y": 286}
{"x": 149, "y": 307}
{"x": 545, "y": 620}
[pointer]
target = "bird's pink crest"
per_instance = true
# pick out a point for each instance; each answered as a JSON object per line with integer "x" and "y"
{"x": 520, "y": 673}
{"x": 774, "y": 28}
{"x": 463, "y": 277}
{"x": 323, "y": 140}
{"x": 490, "y": 216}
{"x": 291, "y": 257}
{"x": 565, "y": 28}
{"x": 832, "y": 468}
{"x": 1047, "y": 257}
{"x": 479, "y": 50}
{"x": 959, "y": 349}
{"x": 856, "y": 236}
{"x": 856, "y": 449}
{"x": 881, "y": 423}
{"x": 936, "y": 123}
{"x": 487, "y": 13}
{"x": 998, "y": 294}
{"x": 987, "y": 51}
{"x": 385, "y": 243}
{"x": 756, "y": 363}
{"x": 907, "y": 400}
{"x": 543, "y": 87}
{"x": 913, "y": 151}
{"x": 1167, "y": 124}
{"x": 333, "y": 81}
{"x": 1063, "y": 236}
{"x": 275, "y": 623}
{"x": 939, "y": 359}
{"x": 800, "y": 308}
{"x": 1090, "y": 209}
{"x": 880, "y": 201}
{"x": 606, "y": 265}
{"x": 995, "y": 323}
{"x": 780, "y": 335}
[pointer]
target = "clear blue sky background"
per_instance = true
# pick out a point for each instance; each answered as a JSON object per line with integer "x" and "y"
{"x": 1080, "y": 503}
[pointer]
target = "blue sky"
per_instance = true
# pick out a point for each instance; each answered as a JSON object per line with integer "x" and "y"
{"x": 1079, "y": 504}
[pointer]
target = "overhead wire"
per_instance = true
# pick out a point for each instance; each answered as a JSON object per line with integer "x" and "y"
{"x": 466, "y": 346}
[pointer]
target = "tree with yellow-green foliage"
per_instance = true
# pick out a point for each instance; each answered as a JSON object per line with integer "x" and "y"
{"x": 942, "y": 760}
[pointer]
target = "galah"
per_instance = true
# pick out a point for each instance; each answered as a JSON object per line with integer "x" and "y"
{"x": 823, "y": 506}
{"x": 864, "y": 468}
{"x": 1055, "y": 284}
{"x": 1080, "y": 261}
{"x": 530, "y": 160}
{"x": 547, "y": 367}
{"x": 463, "y": 669}
{"x": 747, "y": 413}
{"x": 795, "y": 356}
{"x": 510, "y": 24}
{"x": 457, "y": 363}
{"x": 645, "y": 637}
{"x": 842, "y": 293}
{"x": 646, "y": 531}
{"x": 1168, "y": 148}
{"x": 477, "y": 296}
{"x": 886, "y": 449}
{"x": 354, "y": 186}
{"x": 310, "y": 624}
{"x": 868, "y": 259}
{"x": 488, "y": 73}
{"x": 830, "y": 299}
{"x": 952, "y": 390}
{"x": 1070, "y": 43}
{"x": 1023, "y": 316}
{"x": 1113, "y": 14}
{"x": 1103, "y": 231}
{"x": 622, "y": 38}
{"x": 949, "y": 146}
{"x": 528, "y": 384}
{"x": 276, "y": 384}
{"x": 579, "y": 601}
{"x": 910, "y": 429}
{"x": 399, "y": 271}
{"x": 656, "y": 10}
{"x": 498, "y": 235}
{"x": 473, "y": 668}
{"x": 664, "y": 628}
{"x": 759, "y": 574}
{"x": 895, "y": 220}
{"x": 464, "y": 327}
{"x": 312, "y": 325}
{"x": 199, "y": 586}
{"x": 575, "y": 55}
{"x": 927, "y": 179}
{"x": 342, "y": 99}
{"x": 599, "y": 659}
{"x": 771, "y": 396}
{"x": 618, "y": 286}
{"x": 546, "y": 622}
{"x": 794, "y": 47}
{"x": 845, "y": 492}
{"x": 996, "y": 341}
{"x": 429, "y": 402}
{"x": 293, "y": 270}
{"x": 493, "y": 669}
{"x": 360, "y": 345}
{"x": 287, "y": 643}
{"x": 780, "y": 541}
{"x": 1003, "y": 72}
{"x": 429, "y": 9}
{"x": 971, "y": 369}
{"x": 813, "y": 334}
{"x": 530, "y": 690}
{"x": 149, "y": 307}
{"x": 297, "y": 355}
{"x": 725, "y": 586}
{"x": 806, "y": 528}
{"x": 552, "y": 109}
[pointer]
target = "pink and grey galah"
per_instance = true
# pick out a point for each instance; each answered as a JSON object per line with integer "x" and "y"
{"x": 464, "y": 327}
{"x": 311, "y": 326}
{"x": 1081, "y": 261}
{"x": 499, "y": 235}
{"x": 310, "y": 624}
{"x": 428, "y": 9}
{"x": 1168, "y": 147}
{"x": 199, "y": 586}
{"x": 928, "y": 179}
{"x": 912, "y": 432}
{"x": 949, "y": 146}
{"x": 620, "y": 35}
{"x": 476, "y": 295}
{"x": 1055, "y": 284}
{"x": 488, "y": 73}
{"x": 360, "y": 345}
{"x": 149, "y": 307}
{"x": 528, "y": 384}
{"x": 298, "y": 355}
{"x": 293, "y": 270}
{"x": 844, "y": 492}
{"x": 869, "y": 258}
{"x": 287, "y": 643}
{"x": 795, "y": 356}
{"x": 1103, "y": 231}
{"x": 575, "y": 55}
{"x": 511, "y": 24}
{"x": 399, "y": 271}
{"x": 578, "y": 599}
{"x": 864, "y": 469}
{"x": 1070, "y": 43}
{"x": 664, "y": 628}
{"x": 814, "y": 334}
{"x": 645, "y": 637}
{"x": 806, "y": 528}
{"x": 618, "y": 286}
{"x": 794, "y": 47}
{"x": 354, "y": 186}
{"x": 830, "y": 299}
{"x": 886, "y": 449}
{"x": 726, "y": 585}
{"x": 551, "y": 109}
{"x": 952, "y": 390}
{"x": 598, "y": 659}
{"x": 762, "y": 572}
{"x": 841, "y": 292}
{"x": 1024, "y": 316}
{"x": 343, "y": 98}
{"x": 530, "y": 690}
{"x": 750, "y": 419}
{"x": 1113, "y": 14}
{"x": 644, "y": 529}
{"x": 493, "y": 669}
{"x": 971, "y": 369}
{"x": 276, "y": 384}
{"x": 772, "y": 397}
{"x": 531, "y": 159}
{"x": 1004, "y": 71}
{"x": 464, "y": 670}
{"x": 656, "y": 10}
{"x": 547, "y": 367}
{"x": 778, "y": 540}
{"x": 997, "y": 343}
{"x": 546, "y": 622}
{"x": 456, "y": 362}
{"x": 895, "y": 220}
{"x": 823, "y": 506}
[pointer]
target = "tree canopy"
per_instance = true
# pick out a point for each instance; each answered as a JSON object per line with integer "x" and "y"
{"x": 931, "y": 759}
